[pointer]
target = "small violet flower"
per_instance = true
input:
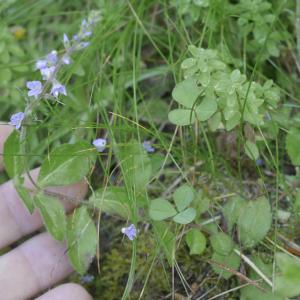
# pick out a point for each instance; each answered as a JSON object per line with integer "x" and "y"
{"x": 41, "y": 64}
{"x": 35, "y": 88}
{"x": 66, "y": 59}
{"x": 66, "y": 39}
{"x": 147, "y": 146}
{"x": 52, "y": 57}
{"x": 130, "y": 231}
{"x": 100, "y": 144}
{"x": 83, "y": 45}
{"x": 58, "y": 88}
{"x": 47, "y": 72}
{"x": 16, "y": 120}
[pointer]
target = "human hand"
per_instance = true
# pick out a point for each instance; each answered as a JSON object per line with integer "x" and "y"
{"x": 39, "y": 262}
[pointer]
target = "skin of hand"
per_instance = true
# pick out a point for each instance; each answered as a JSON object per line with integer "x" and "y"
{"x": 39, "y": 262}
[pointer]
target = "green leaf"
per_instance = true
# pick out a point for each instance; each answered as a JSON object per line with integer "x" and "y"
{"x": 186, "y": 216}
{"x": 287, "y": 282}
{"x": 12, "y": 156}
{"x": 186, "y": 92}
{"x": 196, "y": 241}
{"x": 215, "y": 121}
{"x": 206, "y": 109}
{"x": 53, "y": 214}
{"x": 232, "y": 210}
{"x": 221, "y": 243}
{"x": 182, "y": 117}
{"x": 183, "y": 196}
{"x": 112, "y": 200}
{"x": 254, "y": 222}
{"x": 231, "y": 261}
{"x": 251, "y": 150}
{"x": 293, "y": 146}
{"x": 24, "y": 195}
{"x": 82, "y": 239}
{"x": 15, "y": 167}
{"x": 66, "y": 164}
{"x": 161, "y": 209}
{"x": 136, "y": 165}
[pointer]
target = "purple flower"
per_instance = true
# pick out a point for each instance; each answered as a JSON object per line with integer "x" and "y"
{"x": 16, "y": 120}
{"x": 47, "y": 72}
{"x": 147, "y": 146}
{"x": 66, "y": 39}
{"x": 130, "y": 231}
{"x": 75, "y": 37}
{"x": 66, "y": 59}
{"x": 87, "y": 278}
{"x": 58, "y": 88}
{"x": 41, "y": 64}
{"x": 83, "y": 45}
{"x": 52, "y": 58}
{"x": 35, "y": 88}
{"x": 100, "y": 144}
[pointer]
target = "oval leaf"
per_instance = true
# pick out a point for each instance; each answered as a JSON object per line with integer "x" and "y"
{"x": 221, "y": 243}
{"x": 66, "y": 164}
{"x": 186, "y": 92}
{"x": 82, "y": 239}
{"x": 53, "y": 214}
{"x": 161, "y": 209}
{"x": 206, "y": 109}
{"x": 186, "y": 216}
{"x": 196, "y": 241}
{"x": 183, "y": 196}
{"x": 182, "y": 117}
{"x": 254, "y": 222}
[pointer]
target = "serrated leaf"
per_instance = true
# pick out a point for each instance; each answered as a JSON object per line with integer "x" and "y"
{"x": 254, "y": 222}
{"x": 181, "y": 117}
{"x": 66, "y": 164}
{"x": 186, "y": 92}
{"x": 293, "y": 146}
{"x": 251, "y": 150}
{"x": 206, "y": 109}
{"x": 161, "y": 209}
{"x": 221, "y": 243}
{"x": 231, "y": 261}
{"x": 186, "y": 216}
{"x": 196, "y": 241}
{"x": 53, "y": 214}
{"x": 82, "y": 239}
{"x": 112, "y": 200}
{"x": 183, "y": 196}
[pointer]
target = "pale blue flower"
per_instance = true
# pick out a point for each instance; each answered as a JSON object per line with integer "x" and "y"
{"x": 75, "y": 37}
{"x": 41, "y": 64}
{"x": 58, "y": 88}
{"x": 52, "y": 57}
{"x": 100, "y": 144}
{"x": 130, "y": 231}
{"x": 35, "y": 88}
{"x": 16, "y": 120}
{"x": 83, "y": 45}
{"x": 47, "y": 72}
{"x": 147, "y": 146}
{"x": 66, "y": 39}
{"x": 66, "y": 59}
